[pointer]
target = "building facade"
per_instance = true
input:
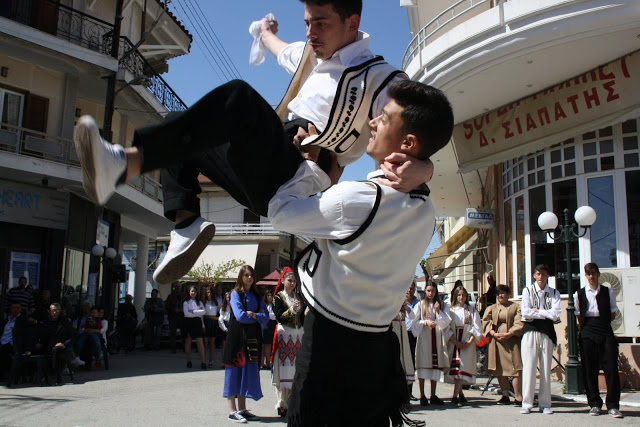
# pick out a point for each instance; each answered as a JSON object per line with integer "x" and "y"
{"x": 546, "y": 100}
{"x": 61, "y": 60}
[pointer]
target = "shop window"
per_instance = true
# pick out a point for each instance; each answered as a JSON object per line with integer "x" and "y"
{"x": 589, "y": 149}
{"x": 569, "y": 169}
{"x": 633, "y": 216}
{"x": 537, "y": 205}
{"x": 556, "y": 172}
{"x": 540, "y": 160}
{"x": 541, "y": 176}
{"x": 630, "y": 143}
{"x": 606, "y": 146}
{"x": 75, "y": 277}
{"x": 570, "y": 153}
{"x": 604, "y": 132}
{"x": 565, "y": 197}
{"x": 591, "y": 165}
{"x": 629, "y": 126}
{"x": 603, "y": 232}
{"x": 607, "y": 163}
{"x": 631, "y": 160}
{"x": 556, "y": 156}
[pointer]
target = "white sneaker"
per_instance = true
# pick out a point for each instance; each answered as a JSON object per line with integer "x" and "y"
{"x": 185, "y": 248}
{"x": 525, "y": 410}
{"x": 237, "y": 418}
{"x": 102, "y": 163}
{"x": 77, "y": 362}
{"x": 547, "y": 411}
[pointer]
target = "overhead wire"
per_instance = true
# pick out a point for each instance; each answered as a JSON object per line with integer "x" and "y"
{"x": 199, "y": 41}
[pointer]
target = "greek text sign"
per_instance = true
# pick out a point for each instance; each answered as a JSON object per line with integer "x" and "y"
{"x": 479, "y": 218}
{"x": 31, "y": 205}
{"x": 587, "y": 102}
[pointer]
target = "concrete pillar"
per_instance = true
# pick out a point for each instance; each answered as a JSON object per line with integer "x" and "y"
{"x": 142, "y": 260}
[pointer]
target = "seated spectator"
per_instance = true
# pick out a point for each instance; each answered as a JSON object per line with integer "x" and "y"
{"x": 91, "y": 331}
{"x": 81, "y": 318}
{"x": 15, "y": 320}
{"x": 60, "y": 334}
{"x": 43, "y": 302}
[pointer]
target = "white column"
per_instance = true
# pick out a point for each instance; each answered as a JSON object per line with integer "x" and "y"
{"x": 142, "y": 260}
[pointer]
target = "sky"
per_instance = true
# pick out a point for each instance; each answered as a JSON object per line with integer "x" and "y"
{"x": 191, "y": 76}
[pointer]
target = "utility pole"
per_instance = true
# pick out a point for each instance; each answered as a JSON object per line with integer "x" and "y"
{"x": 111, "y": 80}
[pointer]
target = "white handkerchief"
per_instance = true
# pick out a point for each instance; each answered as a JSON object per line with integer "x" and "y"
{"x": 258, "y": 50}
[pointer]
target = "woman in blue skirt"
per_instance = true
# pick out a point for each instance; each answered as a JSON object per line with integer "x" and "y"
{"x": 244, "y": 343}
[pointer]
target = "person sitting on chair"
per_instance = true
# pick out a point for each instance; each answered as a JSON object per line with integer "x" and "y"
{"x": 60, "y": 334}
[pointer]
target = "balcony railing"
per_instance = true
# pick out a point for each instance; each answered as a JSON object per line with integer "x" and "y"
{"x": 261, "y": 229}
{"x": 451, "y": 15}
{"x": 134, "y": 62}
{"x": 27, "y": 142}
{"x": 61, "y": 21}
{"x": 92, "y": 33}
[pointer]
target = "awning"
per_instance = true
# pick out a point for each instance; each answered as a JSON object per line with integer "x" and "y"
{"x": 270, "y": 279}
{"x": 219, "y": 253}
{"x": 449, "y": 247}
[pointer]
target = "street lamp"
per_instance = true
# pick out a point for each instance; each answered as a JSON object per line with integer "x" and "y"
{"x": 585, "y": 216}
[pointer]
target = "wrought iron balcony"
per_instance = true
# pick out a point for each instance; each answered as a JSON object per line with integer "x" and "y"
{"x": 27, "y": 142}
{"x": 92, "y": 33}
{"x": 61, "y": 21}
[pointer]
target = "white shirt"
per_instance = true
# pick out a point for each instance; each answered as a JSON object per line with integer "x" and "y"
{"x": 552, "y": 314}
{"x": 105, "y": 326}
{"x": 361, "y": 281}
{"x": 211, "y": 309}
{"x": 272, "y": 315}
{"x": 225, "y": 315}
{"x": 318, "y": 90}
{"x": 591, "y": 294}
{"x": 192, "y": 308}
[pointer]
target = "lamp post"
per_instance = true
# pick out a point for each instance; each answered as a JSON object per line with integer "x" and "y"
{"x": 105, "y": 254}
{"x": 585, "y": 216}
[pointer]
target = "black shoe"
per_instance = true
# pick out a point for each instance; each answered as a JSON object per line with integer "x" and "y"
{"x": 282, "y": 412}
{"x": 504, "y": 400}
{"x": 413, "y": 398}
{"x": 456, "y": 402}
{"x": 424, "y": 401}
{"x": 517, "y": 402}
{"x": 203, "y": 366}
{"x": 435, "y": 400}
{"x": 463, "y": 399}
{"x": 249, "y": 416}
{"x": 189, "y": 365}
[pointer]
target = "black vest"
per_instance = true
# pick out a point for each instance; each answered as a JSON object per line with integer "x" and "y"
{"x": 545, "y": 326}
{"x": 595, "y": 326}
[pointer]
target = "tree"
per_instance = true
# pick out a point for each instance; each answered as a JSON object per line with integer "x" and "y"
{"x": 210, "y": 274}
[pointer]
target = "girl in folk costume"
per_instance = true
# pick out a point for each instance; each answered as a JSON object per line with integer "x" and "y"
{"x": 467, "y": 330}
{"x": 399, "y": 326}
{"x": 430, "y": 324}
{"x": 244, "y": 342}
{"x": 289, "y": 311}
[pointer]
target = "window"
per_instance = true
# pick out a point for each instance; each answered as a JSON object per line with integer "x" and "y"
{"x": 633, "y": 216}
{"x": 521, "y": 260}
{"x": 603, "y": 234}
{"x": 11, "y": 107}
{"x": 508, "y": 239}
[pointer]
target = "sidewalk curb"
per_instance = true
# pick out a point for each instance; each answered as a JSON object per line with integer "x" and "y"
{"x": 583, "y": 399}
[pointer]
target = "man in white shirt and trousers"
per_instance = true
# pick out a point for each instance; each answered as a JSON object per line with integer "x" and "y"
{"x": 338, "y": 85}
{"x": 368, "y": 240}
{"x": 595, "y": 309}
{"x": 541, "y": 308}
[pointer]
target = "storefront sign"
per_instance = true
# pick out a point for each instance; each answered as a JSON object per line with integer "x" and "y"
{"x": 598, "y": 98}
{"x": 31, "y": 205}
{"x": 479, "y": 218}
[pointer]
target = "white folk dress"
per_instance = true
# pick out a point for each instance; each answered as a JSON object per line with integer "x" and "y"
{"x": 431, "y": 347}
{"x": 399, "y": 327}
{"x": 465, "y": 322}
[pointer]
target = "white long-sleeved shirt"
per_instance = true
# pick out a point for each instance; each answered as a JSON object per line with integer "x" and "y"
{"x": 193, "y": 308}
{"x": 592, "y": 310}
{"x": 211, "y": 309}
{"x": 225, "y": 315}
{"x": 368, "y": 241}
{"x": 318, "y": 90}
{"x": 552, "y": 314}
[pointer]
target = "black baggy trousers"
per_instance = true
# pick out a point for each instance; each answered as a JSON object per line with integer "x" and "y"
{"x": 233, "y": 137}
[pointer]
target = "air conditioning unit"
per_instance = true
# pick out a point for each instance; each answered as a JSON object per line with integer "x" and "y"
{"x": 625, "y": 283}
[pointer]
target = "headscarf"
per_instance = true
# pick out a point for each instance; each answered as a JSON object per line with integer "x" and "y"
{"x": 280, "y": 285}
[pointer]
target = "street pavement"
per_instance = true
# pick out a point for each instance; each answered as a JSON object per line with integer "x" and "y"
{"x": 156, "y": 388}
